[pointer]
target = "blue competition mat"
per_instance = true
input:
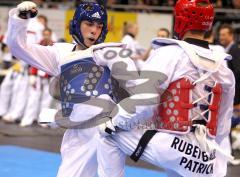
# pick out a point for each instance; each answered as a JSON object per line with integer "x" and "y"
{"x": 23, "y": 162}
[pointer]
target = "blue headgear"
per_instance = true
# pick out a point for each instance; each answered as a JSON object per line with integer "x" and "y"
{"x": 91, "y": 12}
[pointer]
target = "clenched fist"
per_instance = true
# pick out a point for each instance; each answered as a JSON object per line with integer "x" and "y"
{"x": 27, "y": 10}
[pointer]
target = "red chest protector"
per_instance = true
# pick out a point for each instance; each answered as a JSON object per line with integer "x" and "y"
{"x": 176, "y": 114}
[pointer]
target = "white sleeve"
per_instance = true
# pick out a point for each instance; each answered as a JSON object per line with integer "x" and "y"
{"x": 140, "y": 107}
{"x": 226, "y": 107}
{"x": 42, "y": 57}
{"x": 34, "y": 31}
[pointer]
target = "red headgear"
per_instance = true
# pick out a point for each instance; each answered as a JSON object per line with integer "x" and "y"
{"x": 193, "y": 15}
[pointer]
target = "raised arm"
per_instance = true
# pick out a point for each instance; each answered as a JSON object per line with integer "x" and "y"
{"x": 42, "y": 57}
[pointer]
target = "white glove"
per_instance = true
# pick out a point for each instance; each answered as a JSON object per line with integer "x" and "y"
{"x": 27, "y": 9}
{"x": 107, "y": 128}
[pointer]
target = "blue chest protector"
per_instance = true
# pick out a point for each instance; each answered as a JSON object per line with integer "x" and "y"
{"x": 80, "y": 80}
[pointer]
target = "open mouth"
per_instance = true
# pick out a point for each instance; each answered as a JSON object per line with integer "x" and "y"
{"x": 91, "y": 39}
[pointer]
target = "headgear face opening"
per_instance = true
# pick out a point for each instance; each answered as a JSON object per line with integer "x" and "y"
{"x": 193, "y": 15}
{"x": 92, "y": 12}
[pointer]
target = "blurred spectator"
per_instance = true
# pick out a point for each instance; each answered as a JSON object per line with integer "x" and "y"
{"x": 153, "y": 2}
{"x": 226, "y": 37}
{"x": 171, "y": 2}
{"x": 6, "y": 56}
{"x": 68, "y": 3}
{"x": 16, "y": 89}
{"x": 148, "y": 2}
{"x": 130, "y": 31}
{"x": 39, "y": 96}
{"x": 209, "y": 36}
{"x": 143, "y": 3}
{"x": 47, "y": 37}
{"x": 236, "y": 4}
{"x": 218, "y": 3}
{"x": 44, "y": 21}
{"x": 140, "y": 3}
{"x": 111, "y": 2}
{"x": 163, "y": 32}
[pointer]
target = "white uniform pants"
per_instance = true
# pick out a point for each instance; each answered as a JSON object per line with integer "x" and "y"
{"x": 19, "y": 98}
{"x": 179, "y": 155}
{"x": 6, "y": 92}
{"x": 78, "y": 151}
{"x": 33, "y": 103}
{"x": 46, "y": 98}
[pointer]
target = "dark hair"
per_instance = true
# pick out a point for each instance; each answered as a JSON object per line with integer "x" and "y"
{"x": 43, "y": 17}
{"x": 166, "y": 30}
{"x": 127, "y": 26}
{"x": 227, "y": 26}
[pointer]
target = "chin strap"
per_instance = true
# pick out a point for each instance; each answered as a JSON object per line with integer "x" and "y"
{"x": 83, "y": 46}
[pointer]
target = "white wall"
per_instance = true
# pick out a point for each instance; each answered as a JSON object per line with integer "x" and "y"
{"x": 149, "y": 24}
{"x": 3, "y": 19}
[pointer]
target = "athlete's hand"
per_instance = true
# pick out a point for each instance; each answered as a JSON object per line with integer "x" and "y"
{"x": 27, "y": 9}
{"x": 106, "y": 128}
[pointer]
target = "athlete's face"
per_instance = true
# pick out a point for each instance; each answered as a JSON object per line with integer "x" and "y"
{"x": 90, "y": 32}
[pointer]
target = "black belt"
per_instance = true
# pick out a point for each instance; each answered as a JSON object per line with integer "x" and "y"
{"x": 147, "y": 136}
